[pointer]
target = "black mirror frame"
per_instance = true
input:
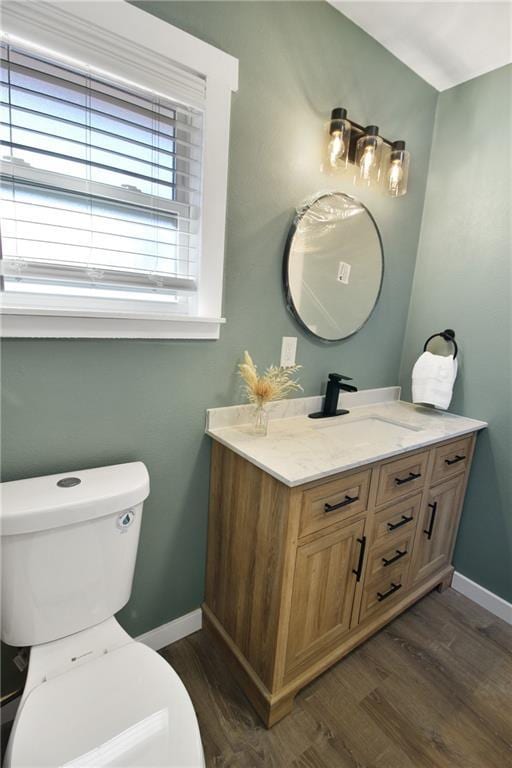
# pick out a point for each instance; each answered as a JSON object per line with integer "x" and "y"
{"x": 286, "y": 260}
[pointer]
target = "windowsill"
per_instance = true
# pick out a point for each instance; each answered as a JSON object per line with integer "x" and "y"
{"x": 45, "y": 322}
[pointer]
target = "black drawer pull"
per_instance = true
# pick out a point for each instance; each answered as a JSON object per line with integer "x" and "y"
{"x": 411, "y": 476}
{"x": 405, "y": 519}
{"x": 455, "y": 460}
{"x": 347, "y": 500}
{"x": 430, "y": 528}
{"x": 359, "y": 568}
{"x": 399, "y": 554}
{"x": 383, "y": 595}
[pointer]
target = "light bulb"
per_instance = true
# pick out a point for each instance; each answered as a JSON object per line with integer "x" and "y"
{"x": 367, "y": 161}
{"x": 368, "y": 157}
{"x": 338, "y": 142}
{"x": 396, "y": 174}
{"x": 397, "y": 171}
{"x": 336, "y": 148}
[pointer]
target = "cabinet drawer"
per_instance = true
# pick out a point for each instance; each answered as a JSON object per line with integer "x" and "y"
{"x": 401, "y": 476}
{"x": 380, "y": 593}
{"x": 332, "y": 502}
{"x": 450, "y": 459}
{"x": 394, "y": 522}
{"x": 384, "y": 558}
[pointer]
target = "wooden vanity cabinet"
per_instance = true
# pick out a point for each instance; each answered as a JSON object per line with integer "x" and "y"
{"x": 298, "y": 577}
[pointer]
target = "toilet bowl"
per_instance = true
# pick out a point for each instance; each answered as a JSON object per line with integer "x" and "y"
{"x": 93, "y": 696}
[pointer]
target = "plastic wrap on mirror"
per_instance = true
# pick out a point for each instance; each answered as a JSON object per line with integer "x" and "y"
{"x": 333, "y": 265}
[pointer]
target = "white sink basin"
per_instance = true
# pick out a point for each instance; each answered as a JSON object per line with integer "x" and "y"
{"x": 366, "y": 429}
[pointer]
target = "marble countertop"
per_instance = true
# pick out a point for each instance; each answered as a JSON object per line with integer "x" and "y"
{"x": 298, "y": 449}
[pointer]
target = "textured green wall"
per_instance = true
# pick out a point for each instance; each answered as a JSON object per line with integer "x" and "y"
{"x": 463, "y": 281}
{"x": 76, "y": 404}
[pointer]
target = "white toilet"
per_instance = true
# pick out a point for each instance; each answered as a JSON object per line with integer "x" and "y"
{"x": 93, "y": 696}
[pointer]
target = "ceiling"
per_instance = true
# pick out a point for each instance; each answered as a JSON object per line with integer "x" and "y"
{"x": 446, "y": 42}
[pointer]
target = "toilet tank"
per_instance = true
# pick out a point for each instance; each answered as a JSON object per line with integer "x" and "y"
{"x": 69, "y": 543}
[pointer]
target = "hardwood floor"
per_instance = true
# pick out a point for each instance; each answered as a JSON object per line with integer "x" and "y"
{"x": 433, "y": 689}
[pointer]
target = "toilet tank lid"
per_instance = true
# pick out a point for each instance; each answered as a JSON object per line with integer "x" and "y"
{"x": 40, "y": 503}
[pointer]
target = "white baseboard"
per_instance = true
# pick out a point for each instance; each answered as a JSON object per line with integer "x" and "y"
{"x": 493, "y": 603}
{"x": 172, "y": 631}
{"x": 156, "y": 639}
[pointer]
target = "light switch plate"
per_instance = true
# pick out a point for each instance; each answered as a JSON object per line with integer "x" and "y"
{"x": 288, "y": 351}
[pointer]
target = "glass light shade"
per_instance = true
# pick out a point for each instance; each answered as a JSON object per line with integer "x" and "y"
{"x": 369, "y": 157}
{"x": 338, "y": 140}
{"x": 397, "y": 170}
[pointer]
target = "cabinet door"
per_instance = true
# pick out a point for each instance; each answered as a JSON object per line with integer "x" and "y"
{"x": 436, "y": 530}
{"x": 326, "y": 575}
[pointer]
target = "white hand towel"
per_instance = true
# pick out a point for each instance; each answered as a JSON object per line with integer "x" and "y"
{"x": 433, "y": 377}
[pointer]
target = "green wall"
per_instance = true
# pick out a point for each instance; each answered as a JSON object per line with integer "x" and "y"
{"x": 463, "y": 281}
{"x": 77, "y": 404}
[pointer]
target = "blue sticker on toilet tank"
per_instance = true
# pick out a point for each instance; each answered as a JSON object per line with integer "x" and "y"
{"x": 125, "y": 519}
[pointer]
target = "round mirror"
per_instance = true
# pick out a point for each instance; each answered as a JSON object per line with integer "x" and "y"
{"x": 333, "y": 266}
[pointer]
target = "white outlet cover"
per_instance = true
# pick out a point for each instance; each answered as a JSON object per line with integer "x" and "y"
{"x": 288, "y": 351}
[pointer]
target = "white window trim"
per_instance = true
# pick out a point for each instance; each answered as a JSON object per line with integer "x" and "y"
{"x": 120, "y": 39}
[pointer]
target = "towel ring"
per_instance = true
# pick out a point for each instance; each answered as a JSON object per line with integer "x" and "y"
{"x": 447, "y": 335}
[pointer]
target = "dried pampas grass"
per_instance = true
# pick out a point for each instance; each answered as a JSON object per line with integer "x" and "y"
{"x": 274, "y": 384}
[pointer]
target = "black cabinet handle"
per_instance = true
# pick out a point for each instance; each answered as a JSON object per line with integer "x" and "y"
{"x": 383, "y": 595}
{"x": 347, "y": 500}
{"x": 430, "y": 528}
{"x": 359, "y": 568}
{"x": 411, "y": 476}
{"x": 399, "y": 554}
{"x": 455, "y": 460}
{"x": 405, "y": 519}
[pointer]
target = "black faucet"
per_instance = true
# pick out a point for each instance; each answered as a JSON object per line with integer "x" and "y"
{"x": 334, "y": 385}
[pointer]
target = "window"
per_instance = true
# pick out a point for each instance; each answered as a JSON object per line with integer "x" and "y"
{"x": 100, "y": 186}
{"x": 102, "y": 191}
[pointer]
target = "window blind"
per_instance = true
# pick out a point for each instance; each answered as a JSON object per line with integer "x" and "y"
{"x": 100, "y": 183}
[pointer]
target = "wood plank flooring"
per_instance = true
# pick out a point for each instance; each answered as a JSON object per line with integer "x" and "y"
{"x": 433, "y": 689}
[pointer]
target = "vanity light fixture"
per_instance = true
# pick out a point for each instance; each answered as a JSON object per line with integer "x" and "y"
{"x": 351, "y": 143}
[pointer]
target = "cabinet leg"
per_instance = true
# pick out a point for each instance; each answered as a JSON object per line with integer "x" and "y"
{"x": 279, "y": 710}
{"x": 445, "y": 583}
